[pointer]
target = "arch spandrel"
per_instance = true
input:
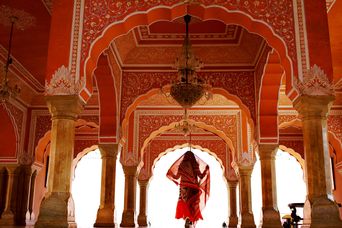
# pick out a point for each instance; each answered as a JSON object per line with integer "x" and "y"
{"x": 9, "y": 135}
{"x": 235, "y": 85}
{"x": 152, "y": 92}
{"x": 222, "y": 123}
{"x": 264, "y": 19}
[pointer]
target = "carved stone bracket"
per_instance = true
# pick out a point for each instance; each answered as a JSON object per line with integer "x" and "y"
{"x": 315, "y": 83}
{"x": 25, "y": 158}
{"x": 62, "y": 83}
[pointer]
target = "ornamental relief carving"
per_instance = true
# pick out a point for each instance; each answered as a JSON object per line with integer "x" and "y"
{"x": 296, "y": 145}
{"x": 80, "y": 145}
{"x": 25, "y": 158}
{"x": 334, "y": 126}
{"x": 99, "y": 14}
{"x": 237, "y": 83}
{"x": 63, "y": 83}
{"x": 151, "y": 123}
{"x": 315, "y": 82}
{"x": 287, "y": 118}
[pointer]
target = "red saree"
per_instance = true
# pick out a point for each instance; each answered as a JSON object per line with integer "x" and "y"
{"x": 193, "y": 177}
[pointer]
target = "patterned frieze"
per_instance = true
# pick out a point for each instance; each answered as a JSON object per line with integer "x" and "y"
{"x": 296, "y": 145}
{"x": 99, "y": 15}
{"x": 239, "y": 83}
{"x": 147, "y": 122}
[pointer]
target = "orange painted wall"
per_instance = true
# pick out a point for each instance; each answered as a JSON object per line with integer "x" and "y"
{"x": 60, "y": 36}
{"x": 318, "y": 35}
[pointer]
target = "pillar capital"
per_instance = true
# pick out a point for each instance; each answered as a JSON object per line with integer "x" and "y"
{"x": 64, "y": 106}
{"x": 11, "y": 169}
{"x": 268, "y": 151}
{"x": 130, "y": 170}
{"x": 310, "y": 106}
{"x": 143, "y": 183}
{"x": 232, "y": 183}
{"x": 245, "y": 170}
{"x": 109, "y": 150}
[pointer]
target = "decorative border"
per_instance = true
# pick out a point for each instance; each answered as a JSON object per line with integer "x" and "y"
{"x": 177, "y": 117}
{"x": 100, "y": 14}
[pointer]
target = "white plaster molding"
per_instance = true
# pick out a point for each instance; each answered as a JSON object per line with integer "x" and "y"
{"x": 62, "y": 83}
{"x": 315, "y": 82}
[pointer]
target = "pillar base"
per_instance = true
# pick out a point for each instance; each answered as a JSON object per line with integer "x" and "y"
{"x": 233, "y": 221}
{"x": 7, "y": 218}
{"x": 142, "y": 220}
{"x": 322, "y": 213}
{"x": 105, "y": 218}
{"x": 128, "y": 219}
{"x": 54, "y": 211}
{"x": 270, "y": 218}
{"x": 246, "y": 221}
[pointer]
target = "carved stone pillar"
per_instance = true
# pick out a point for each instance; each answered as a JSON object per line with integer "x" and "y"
{"x": 142, "y": 217}
{"x": 246, "y": 219}
{"x": 269, "y": 215}
{"x": 7, "y": 217}
{"x": 54, "y": 209}
{"x": 105, "y": 213}
{"x": 22, "y": 193}
{"x": 233, "y": 219}
{"x": 129, "y": 201}
{"x": 319, "y": 210}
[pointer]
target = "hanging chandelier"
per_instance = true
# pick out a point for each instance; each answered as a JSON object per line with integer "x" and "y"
{"x": 21, "y": 20}
{"x": 189, "y": 89}
{"x": 6, "y": 90}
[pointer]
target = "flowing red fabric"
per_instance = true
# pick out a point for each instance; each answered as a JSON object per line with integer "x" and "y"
{"x": 193, "y": 177}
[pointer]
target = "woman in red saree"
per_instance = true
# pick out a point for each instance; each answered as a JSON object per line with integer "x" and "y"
{"x": 193, "y": 177}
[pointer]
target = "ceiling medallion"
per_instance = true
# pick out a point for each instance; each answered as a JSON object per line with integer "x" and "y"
{"x": 189, "y": 89}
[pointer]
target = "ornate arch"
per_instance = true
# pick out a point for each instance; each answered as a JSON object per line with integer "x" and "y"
{"x": 253, "y": 19}
{"x": 204, "y": 126}
{"x": 223, "y": 92}
{"x": 79, "y": 156}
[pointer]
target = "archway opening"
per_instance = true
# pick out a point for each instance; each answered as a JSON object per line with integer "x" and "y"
{"x": 163, "y": 193}
{"x": 161, "y": 13}
{"x": 291, "y": 186}
{"x": 86, "y": 189}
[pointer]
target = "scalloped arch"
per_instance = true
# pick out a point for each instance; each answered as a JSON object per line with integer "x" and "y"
{"x": 169, "y": 14}
{"x": 197, "y": 124}
{"x": 152, "y": 92}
